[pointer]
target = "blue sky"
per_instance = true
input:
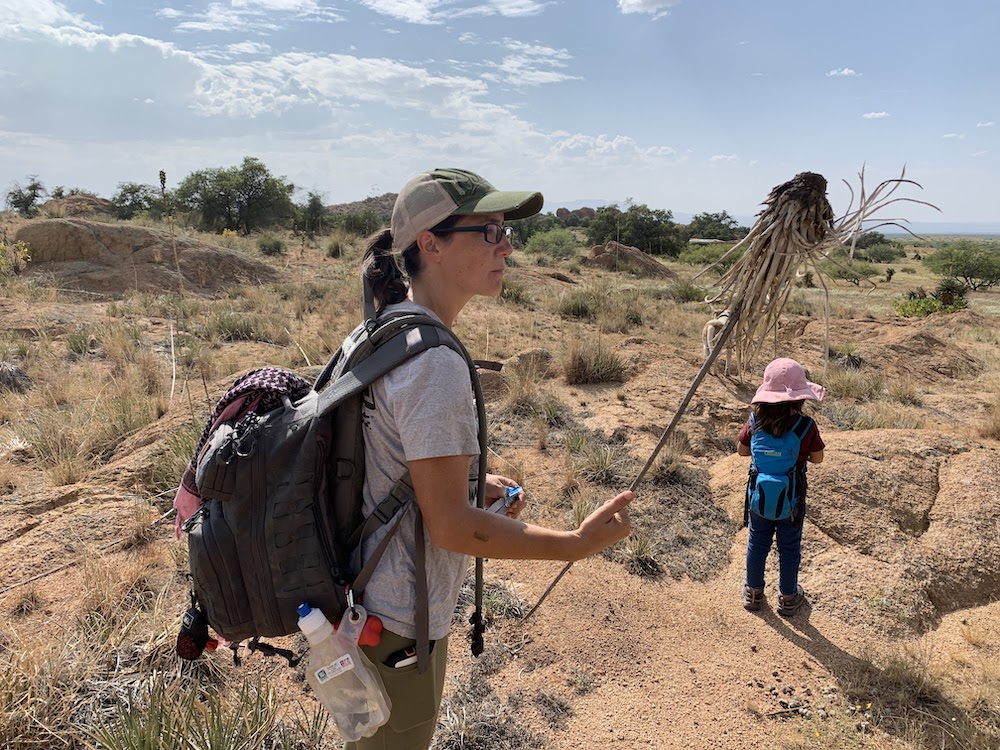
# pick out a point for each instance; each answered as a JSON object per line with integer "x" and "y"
{"x": 685, "y": 105}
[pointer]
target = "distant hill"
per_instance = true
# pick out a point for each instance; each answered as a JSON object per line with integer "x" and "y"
{"x": 381, "y": 204}
{"x": 932, "y": 228}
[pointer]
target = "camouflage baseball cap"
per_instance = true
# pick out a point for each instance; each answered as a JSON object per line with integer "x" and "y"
{"x": 431, "y": 197}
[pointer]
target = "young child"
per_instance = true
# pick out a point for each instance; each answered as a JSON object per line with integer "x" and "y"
{"x": 777, "y": 414}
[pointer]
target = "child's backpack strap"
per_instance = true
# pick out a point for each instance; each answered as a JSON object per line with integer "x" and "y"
{"x": 801, "y": 426}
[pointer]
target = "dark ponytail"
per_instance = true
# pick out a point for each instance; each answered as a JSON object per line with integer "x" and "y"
{"x": 389, "y": 284}
{"x": 379, "y": 266}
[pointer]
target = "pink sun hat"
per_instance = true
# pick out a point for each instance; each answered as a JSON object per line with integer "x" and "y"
{"x": 785, "y": 380}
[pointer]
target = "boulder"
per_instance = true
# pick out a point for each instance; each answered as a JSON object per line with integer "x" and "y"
{"x": 615, "y": 256}
{"x": 114, "y": 258}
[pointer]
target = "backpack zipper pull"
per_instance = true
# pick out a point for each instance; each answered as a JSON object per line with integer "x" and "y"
{"x": 245, "y": 435}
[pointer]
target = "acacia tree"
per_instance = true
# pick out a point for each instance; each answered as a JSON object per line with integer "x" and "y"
{"x": 977, "y": 264}
{"x": 133, "y": 198}
{"x": 24, "y": 200}
{"x": 708, "y": 226}
{"x": 312, "y": 213}
{"x": 651, "y": 230}
{"x": 243, "y": 198}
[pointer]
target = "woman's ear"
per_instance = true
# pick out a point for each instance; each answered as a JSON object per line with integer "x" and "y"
{"x": 429, "y": 244}
{"x": 427, "y": 241}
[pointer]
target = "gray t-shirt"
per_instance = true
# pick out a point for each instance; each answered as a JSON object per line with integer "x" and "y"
{"x": 423, "y": 409}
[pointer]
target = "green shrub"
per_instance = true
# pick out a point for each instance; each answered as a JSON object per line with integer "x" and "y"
{"x": 555, "y": 243}
{"x": 881, "y": 253}
{"x": 685, "y": 291}
{"x": 921, "y": 307}
{"x": 950, "y": 289}
{"x": 855, "y": 273}
{"x": 707, "y": 255}
{"x": 268, "y": 244}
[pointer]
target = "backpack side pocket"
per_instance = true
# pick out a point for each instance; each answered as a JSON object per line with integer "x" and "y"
{"x": 215, "y": 474}
{"x": 216, "y": 574}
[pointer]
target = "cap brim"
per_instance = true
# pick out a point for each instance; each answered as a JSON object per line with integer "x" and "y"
{"x": 513, "y": 205}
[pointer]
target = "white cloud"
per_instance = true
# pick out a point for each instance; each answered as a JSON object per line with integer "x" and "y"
{"x": 980, "y": 153}
{"x": 842, "y": 72}
{"x": 505, "y": 8}
{"x": 989, "y": 124}
{"x": 19, "y": 14}
{"x": 579, "y": 146}
{"x": 441, "y": 11}
{"x": 954, "y": 136}
{"x": 724, "y": 159}
{"x": 248, "y": 48}
{"x": 655, "y": 8}
{"x": 250, "y": 15}
{"x": 534, "y": 64}
{"x": 875, "y": 115}
{"x": 411, "y": 11}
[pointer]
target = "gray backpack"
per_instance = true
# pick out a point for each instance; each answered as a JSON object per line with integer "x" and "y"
{"x": 281, "y": 519}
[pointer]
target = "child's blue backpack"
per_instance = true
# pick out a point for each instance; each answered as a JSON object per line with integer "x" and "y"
{"x": 776, "y": 485}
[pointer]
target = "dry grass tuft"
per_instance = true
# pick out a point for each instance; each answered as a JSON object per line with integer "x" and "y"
{"x": 592, "y": 363}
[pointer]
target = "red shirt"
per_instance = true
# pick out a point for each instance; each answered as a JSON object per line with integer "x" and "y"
{"x": 811, "y": 442}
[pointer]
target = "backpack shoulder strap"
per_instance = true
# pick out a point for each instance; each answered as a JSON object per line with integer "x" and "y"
{"x": 380, "y": 346}
{"x": 801, "y": 426}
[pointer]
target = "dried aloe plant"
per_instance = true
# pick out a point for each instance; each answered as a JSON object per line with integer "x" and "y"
{"x": 794, "y": 232}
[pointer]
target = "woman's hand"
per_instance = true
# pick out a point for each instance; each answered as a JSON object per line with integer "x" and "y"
{"x": 496, "y": 488}
{"x": 608, "y": 524}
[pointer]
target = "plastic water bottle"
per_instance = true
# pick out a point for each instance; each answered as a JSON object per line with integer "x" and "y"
{"x": 343, "y": 678}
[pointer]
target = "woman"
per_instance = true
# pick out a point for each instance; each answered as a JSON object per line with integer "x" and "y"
{"x": 448, "y": 226}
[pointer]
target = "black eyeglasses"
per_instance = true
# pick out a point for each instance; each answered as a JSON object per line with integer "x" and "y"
{"x": 492, "y": 233}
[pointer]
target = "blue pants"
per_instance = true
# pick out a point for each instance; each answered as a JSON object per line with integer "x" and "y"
{"x": 762, "y": 532}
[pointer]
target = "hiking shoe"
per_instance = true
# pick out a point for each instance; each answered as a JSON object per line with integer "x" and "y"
{"x": 789, "y": 605}
{"x": 752, "y": 598}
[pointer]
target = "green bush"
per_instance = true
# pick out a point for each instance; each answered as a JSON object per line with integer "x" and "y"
{"x": 268, "y": 244}
{"x": 554, "y": 243}
{"x": 881, "y": 253}
{"x": 685, "y": 291}
{"x": 921, "y": 307}
{"x": 707, "y": 255}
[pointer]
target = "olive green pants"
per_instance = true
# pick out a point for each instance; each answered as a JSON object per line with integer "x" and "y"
{"x": 415, "y": 697}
